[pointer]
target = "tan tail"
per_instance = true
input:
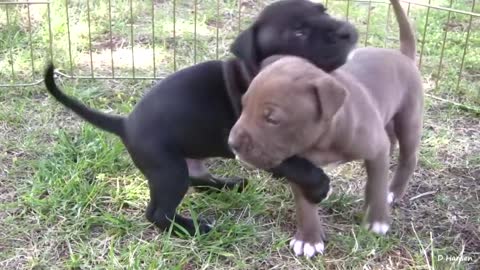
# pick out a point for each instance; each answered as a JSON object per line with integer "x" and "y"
{"x": 407, "y": 37}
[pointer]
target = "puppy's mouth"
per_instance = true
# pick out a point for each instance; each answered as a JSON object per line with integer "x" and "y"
{"x": 255, "y": 164}
{"x": 331, "y": 63}
{"x": 244, "y": 162}
{"x": 255, "y": 159}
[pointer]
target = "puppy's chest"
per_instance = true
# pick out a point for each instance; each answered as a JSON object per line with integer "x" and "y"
{"x": 326, "y": 157}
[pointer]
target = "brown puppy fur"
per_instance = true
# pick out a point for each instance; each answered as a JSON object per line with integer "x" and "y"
{"x": 357, "y": 112}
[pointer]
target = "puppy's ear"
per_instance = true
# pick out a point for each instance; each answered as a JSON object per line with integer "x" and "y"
{"x": 245, "y": 47}
{"x": 330, "y": 95}
{"x": 320, "y": 8}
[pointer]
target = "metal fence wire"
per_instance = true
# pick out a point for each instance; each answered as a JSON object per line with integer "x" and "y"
{"x": 127, "y": 39}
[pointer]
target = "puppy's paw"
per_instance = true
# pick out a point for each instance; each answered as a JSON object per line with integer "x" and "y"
{"x": 378, "y": 227}
{"x": 242, "y": 183}
{"x": 394, "y": 198}
{"x": 215, "y": 183}
{"x": 205, "y": 226}
{"x": 307, "y": 249}
{"x": 377, "y": 218}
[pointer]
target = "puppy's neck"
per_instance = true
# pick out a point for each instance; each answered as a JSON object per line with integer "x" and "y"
{"x": 338, "y": 135}
{"x": 329, "y": 146}
{"x": 245, "y": 73}
{"x": 327, "y": 136}
{"x": 237, "y": 77}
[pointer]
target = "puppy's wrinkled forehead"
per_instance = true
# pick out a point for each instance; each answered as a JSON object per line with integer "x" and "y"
{"x": 297, "y": 10}
{"x": 291, "y": 68}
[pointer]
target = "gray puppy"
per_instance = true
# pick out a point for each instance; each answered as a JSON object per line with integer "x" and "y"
{"x": 357, "y": 112}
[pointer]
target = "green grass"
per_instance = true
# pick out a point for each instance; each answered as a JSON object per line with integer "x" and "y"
{"x": 70, "y": 198}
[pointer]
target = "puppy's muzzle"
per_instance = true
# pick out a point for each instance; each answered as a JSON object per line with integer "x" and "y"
{"x": 347, "y": 33}
{"x": 239, "y": 142}
{"x": 236, "y": 143}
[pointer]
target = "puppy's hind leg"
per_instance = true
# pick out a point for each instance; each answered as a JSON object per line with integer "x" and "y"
{"x": 408, "y": 128}
{"x": 168, "y": 182}
{"x": 203, "y": 180}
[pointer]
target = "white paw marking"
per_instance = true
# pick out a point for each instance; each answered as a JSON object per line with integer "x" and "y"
{"x": 307, "y": 249}
{"x": 292, "y": 242}
{"x": 320, "y": 247}
{"x": 212, "y": 224}
{"x": 390, "y": 197}
{"x": 298, "y": 248}
{"x": 379, "y": 228}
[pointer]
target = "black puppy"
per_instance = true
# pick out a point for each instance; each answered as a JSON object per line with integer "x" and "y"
{"x": 187, "y": 116}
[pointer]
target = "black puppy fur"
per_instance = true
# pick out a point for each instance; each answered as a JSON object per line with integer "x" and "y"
{"x": 189, "y": 114}
{"x": 296, "y": 27}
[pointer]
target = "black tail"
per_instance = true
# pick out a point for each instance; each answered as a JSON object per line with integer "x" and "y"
{"x": 110, "y": 123}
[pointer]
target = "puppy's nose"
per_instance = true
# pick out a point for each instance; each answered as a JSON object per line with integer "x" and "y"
{"x": 235, "y": 143}
{"x": 347, "y": 32}
{"x": 344, "y": 36}
{"x": 343, "y": 33}
{"x": 238, "y": 141}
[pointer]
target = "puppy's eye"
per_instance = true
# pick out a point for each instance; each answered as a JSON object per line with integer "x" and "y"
{"x": 300, "y": 32}
{"x": 268, "y": 117}
{"x": 271, "y": 121}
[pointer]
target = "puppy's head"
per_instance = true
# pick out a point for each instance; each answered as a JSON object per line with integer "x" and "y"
{"x": 296, "y": 27}
{"x": 287, "y": 108}
{"x": 271, "y": 59}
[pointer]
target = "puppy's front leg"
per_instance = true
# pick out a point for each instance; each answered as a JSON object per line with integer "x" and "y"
{"x": 377, "y": 208}
{"x": 310, "y": 237}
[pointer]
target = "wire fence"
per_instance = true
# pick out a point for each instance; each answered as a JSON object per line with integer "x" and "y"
{"x": 126, "y": 39}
